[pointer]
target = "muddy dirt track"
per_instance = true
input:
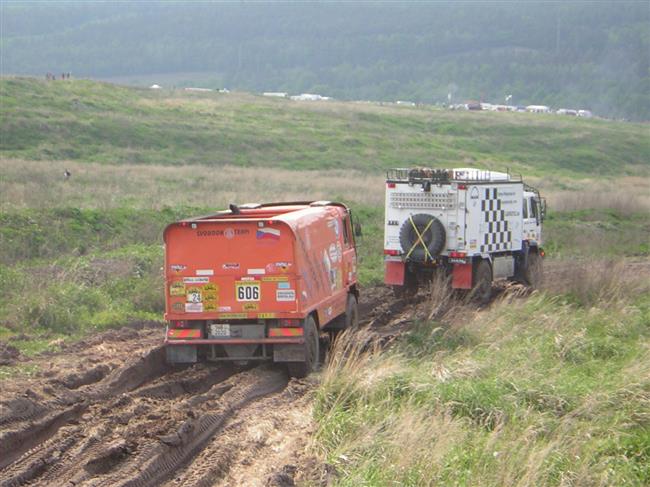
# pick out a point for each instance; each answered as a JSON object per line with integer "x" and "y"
{"x": 108, "y": 411}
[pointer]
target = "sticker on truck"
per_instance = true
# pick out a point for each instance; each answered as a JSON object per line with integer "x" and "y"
{"x": 194, "y": 307}
{"x": 177, "y": 288}
{"x": 268, "y": 234}
{"x": 285, "y": 295}
{"x": 196, "y": 280}
{"x": 193, "y": 295}
{"x": 248, "y": 290}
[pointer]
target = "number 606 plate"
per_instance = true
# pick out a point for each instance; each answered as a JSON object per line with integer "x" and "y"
{"x": 248, "y": 291}
{"x": 220, "y": 330}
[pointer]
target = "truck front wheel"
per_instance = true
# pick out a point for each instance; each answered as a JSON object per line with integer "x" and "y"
{"x": 533, "y": 273}
{"x": 312, "y": 353}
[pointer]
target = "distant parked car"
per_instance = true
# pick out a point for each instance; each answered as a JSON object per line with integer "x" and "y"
{"x": 538, "y": 109}
{"x": 585, "y": 113}
{"x": 567, "y": 111}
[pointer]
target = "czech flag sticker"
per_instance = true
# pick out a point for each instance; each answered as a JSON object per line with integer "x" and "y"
{"x": 268, "y": 234}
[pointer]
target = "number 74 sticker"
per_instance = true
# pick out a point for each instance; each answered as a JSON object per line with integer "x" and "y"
{"x": 248, "y": 290}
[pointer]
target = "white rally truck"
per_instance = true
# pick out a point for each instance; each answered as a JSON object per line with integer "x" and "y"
{"x": 474, "y": 226}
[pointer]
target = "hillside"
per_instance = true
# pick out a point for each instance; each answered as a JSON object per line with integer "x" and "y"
{"x": 549, "y": 387}
{"x": 98, "y": 122}
{"x": 577, "y": 54}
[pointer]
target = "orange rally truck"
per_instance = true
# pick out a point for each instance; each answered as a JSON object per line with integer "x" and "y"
{"x": 260, "y": 282}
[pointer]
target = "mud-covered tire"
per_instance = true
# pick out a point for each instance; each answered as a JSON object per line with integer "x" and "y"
{"x": 434, "y": 237}
{"x": 482, "y": 288}
{"x": 312, "y": 351}
{"x": 533, "y": 273}
{"x": 351, "y": 313}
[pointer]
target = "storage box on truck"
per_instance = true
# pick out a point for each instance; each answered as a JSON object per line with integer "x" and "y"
{"x": 260, "y": 282}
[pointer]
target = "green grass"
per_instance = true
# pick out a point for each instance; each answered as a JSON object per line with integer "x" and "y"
{"x": 536, "y": 392}
{"x": 70, "y": 271}
{"x": 66, "y": 272}
{"x": 97, "y": 122}
{"x": 597, "y": 233}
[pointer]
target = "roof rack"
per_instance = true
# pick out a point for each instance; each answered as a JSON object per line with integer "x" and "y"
{"x": 420, "y": 175}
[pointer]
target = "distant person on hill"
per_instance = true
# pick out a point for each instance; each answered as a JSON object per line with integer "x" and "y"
{"x": 66, "y": 174}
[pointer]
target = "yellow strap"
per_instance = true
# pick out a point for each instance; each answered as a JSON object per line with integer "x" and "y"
{"x": 420, "y": 240}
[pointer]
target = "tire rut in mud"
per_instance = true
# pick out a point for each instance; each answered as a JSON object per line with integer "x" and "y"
{"x": 37, "y": 421}
{"x": 137, "y": 427}
{"x": 160, "y": 461}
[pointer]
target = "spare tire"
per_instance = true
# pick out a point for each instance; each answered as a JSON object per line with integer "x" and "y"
{"x": 434, "y": 237}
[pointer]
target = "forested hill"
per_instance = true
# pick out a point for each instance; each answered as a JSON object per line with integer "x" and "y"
{"x": 578, "y": 55}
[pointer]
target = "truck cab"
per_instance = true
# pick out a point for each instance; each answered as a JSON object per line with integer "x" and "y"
{"x": 533, "y": 212}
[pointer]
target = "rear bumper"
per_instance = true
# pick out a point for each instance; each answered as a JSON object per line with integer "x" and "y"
{"x": 237, "y": 341}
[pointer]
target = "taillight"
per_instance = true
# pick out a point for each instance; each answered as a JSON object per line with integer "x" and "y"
{"x": 458, "y": 255}
{"x": 179, "y": 324}
{"x": 462, "y": 186}
{"x": 391, "y": 252}
{"x": 289, "y": 322}
{"x": 390, "y": 185}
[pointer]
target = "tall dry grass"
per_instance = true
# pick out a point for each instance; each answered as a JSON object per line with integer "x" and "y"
{"x": 597, "y": 282}
{"x": 627, "y": 195}
{"x": 41, "y": 184}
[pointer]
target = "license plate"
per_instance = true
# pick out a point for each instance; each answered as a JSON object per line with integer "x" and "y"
{"x": 220, "y": 330}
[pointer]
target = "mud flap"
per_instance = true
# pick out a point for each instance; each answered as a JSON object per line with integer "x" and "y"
{"x": 181, "y": 354}
{"x": 461, "y": 277}
{"x": 394, "y": 271}
{"x": 288, "y": 353}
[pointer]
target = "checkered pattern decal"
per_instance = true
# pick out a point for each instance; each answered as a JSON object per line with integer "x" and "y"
{"x": 498, "y": 234}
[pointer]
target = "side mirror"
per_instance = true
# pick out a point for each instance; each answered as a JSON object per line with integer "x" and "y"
{"x": 357, "y": 229}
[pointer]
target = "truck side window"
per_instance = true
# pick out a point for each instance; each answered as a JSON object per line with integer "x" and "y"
{"x": 524, "y": 209}
{"x": 346, "y": 233}
{"x": 533, "y": 208}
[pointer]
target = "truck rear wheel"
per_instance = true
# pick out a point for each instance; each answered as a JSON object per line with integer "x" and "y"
{"x": 482, "y": 289}
{"x": 533, "y": 273}
{"x": 351, "y": 312}
{"x": 312, "y": 352}
{"x": 410, "y": 287}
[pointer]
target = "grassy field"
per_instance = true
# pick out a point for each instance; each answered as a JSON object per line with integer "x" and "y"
{"x": 536, "y": 391}
{"x": 549, "y": 390}
{"x": 97, "y": 122}
{"x": 86, "y": 253}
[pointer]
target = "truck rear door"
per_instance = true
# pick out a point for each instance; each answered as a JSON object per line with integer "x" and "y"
{"x": 235, "y": 269}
